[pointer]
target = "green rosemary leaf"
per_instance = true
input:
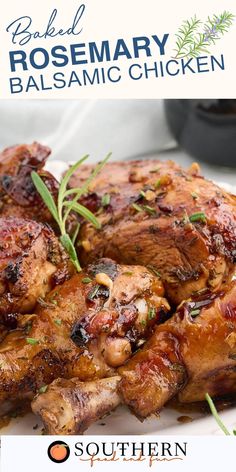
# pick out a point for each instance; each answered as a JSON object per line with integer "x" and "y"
{"x": 66, "y": 179}
{"x": 106, "y": 200}
{"x": 137, "y": 207}
{"x": 45, "y": 195}
{"x": 142, "y": 194}
{"x": 198, "y": 217}
{"x": 85, "y": 186}
{"x": 94, "y": 173}
{"x": 149, "y": 209}
{"x": 195, "y": 313}
{"x": 215, "y": 414}
{"x": 151, "y": 313}
{"x": 70, "y": 248}
{"x": 75, "y": 235}
{"x": 58, "y": 321}
{"x": 32, "y": 341}
{"x": 158, "y": 183}
{"x": 42, "y": 389}
{"x": 154, "y": 270}
{"x": 86, "y": 280}
{"x": 57, "y": 211}
{"x": 92, "y": 294}
{"x": 84, "y": 212}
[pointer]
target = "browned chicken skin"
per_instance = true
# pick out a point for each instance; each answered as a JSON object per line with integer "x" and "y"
{"x": 71, "y": 406}
{"x": 18, "y": 196}
{"x": 32, "y": 261}
{"x": 155, "y": 214}
{"x": 160, "y": 215}
{"x": 191, "y": 354}
{"x": 48, "y": 344}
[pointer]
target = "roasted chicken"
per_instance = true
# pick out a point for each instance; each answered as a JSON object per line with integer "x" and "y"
{"x": 32, "y": 262}
{"x": 189, "y": 355}
{"x": 18, "y": 196}
{"x": 85, "y": 342}
{"x": 155, "y": 213}
{"x": 71, "y": 406}
{"x": 84, "y": 328}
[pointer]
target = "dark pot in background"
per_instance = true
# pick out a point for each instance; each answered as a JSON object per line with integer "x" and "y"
{"x": 206, "y": 129}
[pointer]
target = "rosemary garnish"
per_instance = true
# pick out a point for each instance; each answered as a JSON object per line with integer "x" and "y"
{"x": 137, "y": 207}
{"x": 142, "y": 194}
{"x": 32, "y": 341}
{"x": 106, "y": 200}
{"x": 92, "y": 294}
{"x": 86, "y": 280}
{"x": 58, "y": 321}
{"x": 198, "y": 217}
{"x": 145, "y": 208}
{"x": 46, "y": 303}
{"x": 216, "y": 416}
{"x": 64, "y": 206}
{"x": 42, "y": 389}
{"x": 151, "y": 313}
{"x": 195, "y": 313}
{"x": 149, "y": 209}
{"x": 154, "y": 270}
{"x": 158, "y": 183}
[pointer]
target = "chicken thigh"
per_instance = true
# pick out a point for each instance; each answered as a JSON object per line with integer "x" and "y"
{"x": 155, "y": 213}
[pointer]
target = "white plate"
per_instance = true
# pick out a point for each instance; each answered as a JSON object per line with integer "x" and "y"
{"x": 121, "y": 421}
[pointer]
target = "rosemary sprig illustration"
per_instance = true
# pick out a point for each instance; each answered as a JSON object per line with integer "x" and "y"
{"x": 217, "y": 26}
{"x": 192, "y": 43}
{"x": 186, "y": 36}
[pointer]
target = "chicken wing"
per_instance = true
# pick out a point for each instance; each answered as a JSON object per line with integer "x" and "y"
{"x": 155, "y": 213}
{"x": 71, "y": 406}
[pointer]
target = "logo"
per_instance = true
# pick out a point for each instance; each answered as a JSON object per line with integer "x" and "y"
{"x": 58, "y": 452}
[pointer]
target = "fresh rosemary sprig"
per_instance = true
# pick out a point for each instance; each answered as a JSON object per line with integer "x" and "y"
{"x": 217, "y": 417}
{"x": 64, "y": 206}
{"x": 192, "y": 43}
